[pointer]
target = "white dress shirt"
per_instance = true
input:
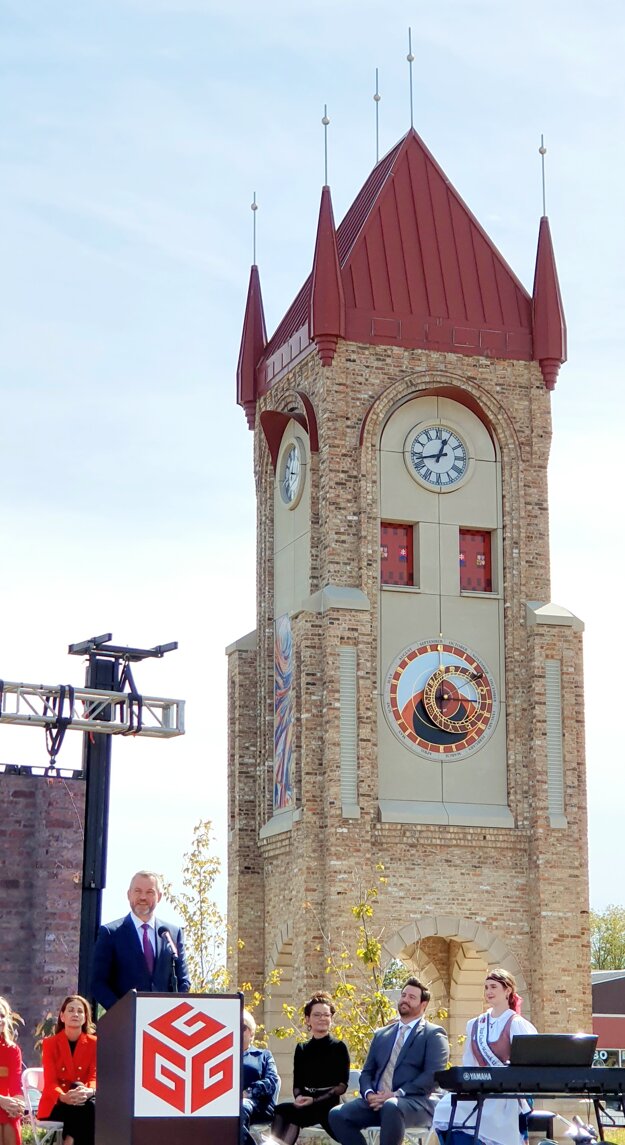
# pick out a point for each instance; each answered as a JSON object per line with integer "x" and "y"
{"x": 140, "y": 932}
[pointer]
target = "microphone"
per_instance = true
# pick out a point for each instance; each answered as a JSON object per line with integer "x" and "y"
{"x": 166, "y": 936}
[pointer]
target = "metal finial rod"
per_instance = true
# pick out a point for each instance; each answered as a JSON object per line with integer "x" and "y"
{"x": 377, "y": 97}
{"x": 325, "y": 122}
{"x": 254, "y": 208}
{"x": 542, "y": 151}
{"x": 410, "y": 59}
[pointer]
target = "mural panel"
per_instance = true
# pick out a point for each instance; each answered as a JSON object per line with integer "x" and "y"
{"x": 283, "y": 793}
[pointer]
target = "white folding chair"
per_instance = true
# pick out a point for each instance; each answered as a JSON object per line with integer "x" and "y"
{"x": 353, "y": 1086}
{"x": 32, "y": 1085}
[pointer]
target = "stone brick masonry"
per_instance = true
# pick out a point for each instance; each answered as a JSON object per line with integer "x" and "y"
{"x": 488, "y": 896}
{"x": 40, "y": 882}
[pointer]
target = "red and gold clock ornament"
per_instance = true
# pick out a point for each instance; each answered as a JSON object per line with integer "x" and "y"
{"x": 440, "y": 700}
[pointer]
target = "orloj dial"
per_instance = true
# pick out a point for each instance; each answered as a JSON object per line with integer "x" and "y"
{"x": 437, "y": 456}
{"x": 440, "y": 700}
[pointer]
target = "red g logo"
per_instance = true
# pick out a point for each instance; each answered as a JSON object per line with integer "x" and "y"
{"x": 187, "y": 1059}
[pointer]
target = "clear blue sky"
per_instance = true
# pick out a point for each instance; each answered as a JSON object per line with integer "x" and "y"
{"x": 133, "y": 137}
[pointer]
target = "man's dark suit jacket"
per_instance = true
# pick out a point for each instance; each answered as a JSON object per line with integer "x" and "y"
{"x": 425, "y": 1051}
{"x": 119, "y": 962}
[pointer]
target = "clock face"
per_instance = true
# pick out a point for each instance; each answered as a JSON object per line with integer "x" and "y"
{"x": 440, "y": 700}
{"x": 436, "y": 456}
{"x": 291, "y": 477}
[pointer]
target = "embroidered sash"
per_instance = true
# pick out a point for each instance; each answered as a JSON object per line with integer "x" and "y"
{"x": 490, "y": 1052}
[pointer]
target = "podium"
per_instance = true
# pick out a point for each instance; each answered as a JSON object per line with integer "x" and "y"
{"x": 169, "y": 1069}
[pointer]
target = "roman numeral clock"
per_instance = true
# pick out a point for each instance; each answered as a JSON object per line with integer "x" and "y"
{"x": 437, "y": 456}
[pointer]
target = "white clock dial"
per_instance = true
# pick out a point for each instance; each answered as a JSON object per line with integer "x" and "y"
{"x": 437, "y": 456}
{"x": 291, "y": 474}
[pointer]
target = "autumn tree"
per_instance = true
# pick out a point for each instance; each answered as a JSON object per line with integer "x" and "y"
{"x": 204, "y": 924}
{"x": 607, "y": 938}
{"x": 358, "y": 981}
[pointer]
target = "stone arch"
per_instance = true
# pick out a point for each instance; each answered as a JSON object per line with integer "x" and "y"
{"x": 452, "y": 955}
{"x": 417, "y": 383}
{"x": 280, "y": 959}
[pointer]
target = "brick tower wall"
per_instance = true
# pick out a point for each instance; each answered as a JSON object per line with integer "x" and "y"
{"x": 41, "y": 854}
{"x": 518, "y": 895}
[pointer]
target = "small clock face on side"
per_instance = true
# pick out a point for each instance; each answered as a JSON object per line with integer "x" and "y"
{"x": 292, "y": 473}
{"x": 440, "y": 700}
{"x": 436, "y": 456}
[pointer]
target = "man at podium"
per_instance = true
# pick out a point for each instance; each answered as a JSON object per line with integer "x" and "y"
{"x": 139, "y": 952}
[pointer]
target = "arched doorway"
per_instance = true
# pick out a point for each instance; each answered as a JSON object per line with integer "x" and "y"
{"x": 452, "y": 955}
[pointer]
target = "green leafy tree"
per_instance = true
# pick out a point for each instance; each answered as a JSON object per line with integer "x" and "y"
{"x": 204, "y": 924}
{"x": 607, "y": 938}
{"x": 357, "y": 981}
{"x": 206, "y": 929}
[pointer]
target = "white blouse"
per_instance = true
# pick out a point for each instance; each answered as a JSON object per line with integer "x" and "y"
{"x": 499, "y": 1124}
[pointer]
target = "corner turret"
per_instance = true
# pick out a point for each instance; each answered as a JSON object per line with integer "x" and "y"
{"x": 327, "y": 301}
{"x": 548, "y": 313}
{"x": 253, "y": 342}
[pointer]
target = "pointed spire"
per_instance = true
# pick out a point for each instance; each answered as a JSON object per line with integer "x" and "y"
{"x": 253, "y": 342}
{"x": 549, "y": 321}
{"x": 327, "y": 301}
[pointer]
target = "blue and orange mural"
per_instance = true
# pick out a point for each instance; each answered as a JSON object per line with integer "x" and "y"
{"x": 283, "y": 794}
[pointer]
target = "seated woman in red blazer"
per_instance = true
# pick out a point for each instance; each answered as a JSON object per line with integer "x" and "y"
{"x": 69, "y": 1073}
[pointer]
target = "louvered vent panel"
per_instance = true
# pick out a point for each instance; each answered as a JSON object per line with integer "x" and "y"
{"x": 555, "y": 766}
{"x": 349, "y": 725}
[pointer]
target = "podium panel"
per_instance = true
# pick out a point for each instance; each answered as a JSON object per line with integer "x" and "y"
{"x": 169, "y": 1068}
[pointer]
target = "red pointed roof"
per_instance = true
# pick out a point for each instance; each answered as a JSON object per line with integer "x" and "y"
{"x": 327, "y": 301}
{"x": 253, "y": 342}
{"x": 549, "y": 321}
{"x": 417, "y": 270}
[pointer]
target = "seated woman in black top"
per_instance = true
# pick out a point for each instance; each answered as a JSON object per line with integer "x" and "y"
{"x": 320, "y": 1075}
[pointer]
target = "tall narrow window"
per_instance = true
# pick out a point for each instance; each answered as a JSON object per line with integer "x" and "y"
{"x": 396, "y": 554}
{"x": 475, "y": 561}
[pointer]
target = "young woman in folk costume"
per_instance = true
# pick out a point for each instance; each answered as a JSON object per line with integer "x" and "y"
{"x": 488, "y": 1045}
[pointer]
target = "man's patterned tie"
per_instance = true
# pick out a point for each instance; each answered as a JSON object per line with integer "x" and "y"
{"x": 386, "y": 1081}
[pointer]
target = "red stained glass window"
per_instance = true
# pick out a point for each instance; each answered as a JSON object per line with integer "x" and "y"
{"x": 475, "y": 561}
{"x": 396, "y": 554}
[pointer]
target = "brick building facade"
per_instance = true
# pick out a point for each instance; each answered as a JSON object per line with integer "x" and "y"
{"x": 423, "y": 725}
{"x": 41, "y": 880}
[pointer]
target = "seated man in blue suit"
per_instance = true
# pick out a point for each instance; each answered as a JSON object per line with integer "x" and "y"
{"x": 140, "y": 951}
{"x": 397, "y": 1079}
{"x": 261, "y": 1083}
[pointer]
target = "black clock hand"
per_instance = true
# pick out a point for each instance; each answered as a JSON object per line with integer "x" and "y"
{"x": 441, "y": 451}
{"x": 436, "y": 456}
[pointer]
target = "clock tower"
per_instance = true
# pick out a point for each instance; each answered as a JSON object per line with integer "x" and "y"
{"x": 410, "y": 696}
